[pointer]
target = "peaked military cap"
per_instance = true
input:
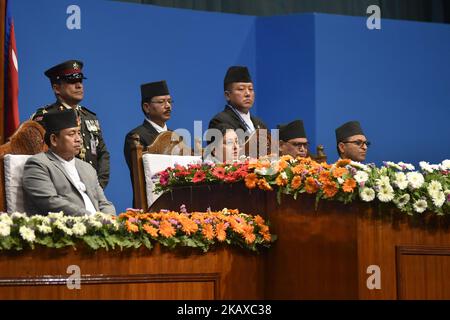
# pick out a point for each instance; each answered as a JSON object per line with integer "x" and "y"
{"x": 67, "y": 71}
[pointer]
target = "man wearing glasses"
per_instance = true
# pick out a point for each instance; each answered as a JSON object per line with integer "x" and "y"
{"x": 156, "y": 104}
{"x": 293, "y": 139}
{"x": 351, "y": 142}
{"x": 66, "y": 80}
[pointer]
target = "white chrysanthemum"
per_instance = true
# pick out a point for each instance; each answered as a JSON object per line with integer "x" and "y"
{"x": 283, "y": 175}
{"x": 425, "y": 166}
{"x": 386, "y": 194}
{"x": 95, "y": 223}
{"x": 445, "y": 165}
{"x": 79, "y": 229}
{"x": 401, "y": 181}
{"x": 56, "y": 215}
{"x": 438, "y": 199}
{"x": 367, "y": 194}
{"x": 383, "y": 182}
{"x": 5, "y": 229}
{"x": 407, "y": 166}
{"x": 415, "y": 179}
{"x": 38, "y": 218}
{"x": 393, "y": 165}
{"x": 5, "y": 218}
{"x": 340, "y": 180}
{"x": 18, "y": 215}
{"x": 44, "y": 228}
{"x": 261, "y": 171}
{"x": 361, "y": 176}
{"x": 434, "y": 187}
{"x": 27, "y": 234}
{"x": 420, "y": 205}
{"x": 61, "y": 225}
{"x": 359, "y": 165}
{"x": 402, "y": 200}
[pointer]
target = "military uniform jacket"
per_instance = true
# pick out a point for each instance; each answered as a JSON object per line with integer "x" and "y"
{"x": 229, "y": 120}
{"x": 94, "y": 149}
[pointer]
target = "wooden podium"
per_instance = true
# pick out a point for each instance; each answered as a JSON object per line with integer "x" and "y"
{"x": 320, "y": 254}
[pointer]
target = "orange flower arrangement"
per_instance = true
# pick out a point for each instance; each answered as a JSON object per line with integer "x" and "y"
{"x": 349, "y": 185}
{"x": 251, "y": 181}
{"x": 198, "y": 229}
{"x": 296, "y": 182}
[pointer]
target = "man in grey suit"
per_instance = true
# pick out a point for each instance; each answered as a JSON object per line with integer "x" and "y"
{"x": 57, "y": 181}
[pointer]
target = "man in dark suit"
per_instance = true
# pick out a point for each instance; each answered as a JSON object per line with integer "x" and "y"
{"x": 156, "y": 105}
{"x": 240, "y": 96}
{"x": 57, "y": 181}
{"x": 67, "y": 83}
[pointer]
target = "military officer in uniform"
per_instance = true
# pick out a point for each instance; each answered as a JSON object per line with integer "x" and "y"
{"x": 67, "y": 83}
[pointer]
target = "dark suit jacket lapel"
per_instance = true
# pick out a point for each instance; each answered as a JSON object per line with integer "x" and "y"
{"x": 150, "y": 133}
{"x": 231, "y": 113}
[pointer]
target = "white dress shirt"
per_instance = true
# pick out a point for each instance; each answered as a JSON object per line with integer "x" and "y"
{"x": 248, "y": 120}
{"x": 157, "y": 127}
{"x": 71, "y": 170}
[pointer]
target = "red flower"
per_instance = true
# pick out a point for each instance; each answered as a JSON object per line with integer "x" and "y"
{"x": 199, "y": 176}
{"x": 219, "y": 172}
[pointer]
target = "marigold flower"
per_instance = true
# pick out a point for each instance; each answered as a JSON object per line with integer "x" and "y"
{"x": 262, "y": 184}
{"x": 221, "y": 233}
{"x": 296, "y": 182}
{"x": 131, "y": 227}
{"x": 311, "y": 185}
{"x": 339, "y": 172}
{"x": 298, "y": 169}
{"x": 248, "y": 234}
{"x": 236, "y": 226}
{"x": 349, "y": 185}
{"x": 286, "y": 157}
{"x": 150, "y": 230}
{"x": 280, "y": 181}
{"x": 324, "y": 177}
{"x": 267, "y": 237}
{"x": 208, "y": 231}
{"x": 330, "y": 189}
{"x": 251, "y": 180}
{"x": 259, "y": 220}
{"x": 166, "y": 229}
{"x": 188, "y": 226}
{"x": 282, "y": 164}
{"x": 342, "y": 162}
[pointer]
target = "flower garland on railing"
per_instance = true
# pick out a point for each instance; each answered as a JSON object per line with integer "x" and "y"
{"x": 135, "y": 228}
{"x": 346, "y": 181}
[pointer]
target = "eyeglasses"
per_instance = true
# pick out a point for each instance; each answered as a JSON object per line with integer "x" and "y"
{"x": 359, "y": 143}
{"x": 162, "y": 102}
{"x": 299, "y": 145}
